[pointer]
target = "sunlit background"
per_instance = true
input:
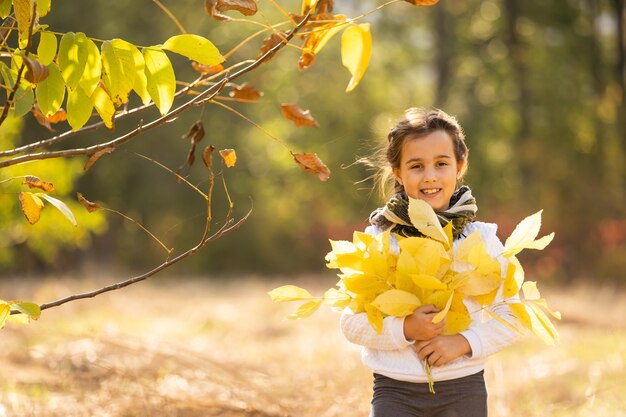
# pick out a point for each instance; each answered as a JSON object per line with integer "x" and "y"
{"x": 539, "y": 89}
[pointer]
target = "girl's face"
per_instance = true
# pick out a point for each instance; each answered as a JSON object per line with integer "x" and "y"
{"x": 428, "y": 168}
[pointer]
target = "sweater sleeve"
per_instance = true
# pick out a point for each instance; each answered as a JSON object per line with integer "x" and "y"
{"x": 490, "y": 336}
{"x": 356, "y": 328}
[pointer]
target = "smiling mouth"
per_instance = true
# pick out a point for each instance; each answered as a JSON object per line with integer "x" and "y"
{"x": 430, "y": 191}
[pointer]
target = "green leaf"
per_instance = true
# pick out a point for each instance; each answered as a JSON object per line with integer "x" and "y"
{"x": 73, "y": 50}
{"x": 194, "y": 47}
{"x": 51, "y": 91}
{"x": 161, "y": 79}
{"x": 93, "y": 69}
{"x": 47, "y": 49}
{"x": 118, "y": 69}
{"x": 5, "y": 8}
{"x": 24, "y": 98}
{"x": 30, "y": 309}
{"x": 289, "y": 293}
{"x": 43, "y": 7}
{"x": 79, "y": 108}
{"x": 61, "y": 206}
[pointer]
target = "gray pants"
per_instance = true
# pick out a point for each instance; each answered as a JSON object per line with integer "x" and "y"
{"x": 462, "y": 397}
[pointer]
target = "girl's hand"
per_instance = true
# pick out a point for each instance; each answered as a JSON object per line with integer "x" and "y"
{"x": 442, "y": 349}
{"x": 420, "y": 326}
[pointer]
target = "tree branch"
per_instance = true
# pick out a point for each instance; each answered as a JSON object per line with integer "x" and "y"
{"x": 198, "y": 100}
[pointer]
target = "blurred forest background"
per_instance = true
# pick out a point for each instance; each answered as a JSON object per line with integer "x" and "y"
{"x": 538, "y": 86}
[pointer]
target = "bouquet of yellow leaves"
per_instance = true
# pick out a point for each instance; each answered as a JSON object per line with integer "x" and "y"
{"x": 383, "y": 282}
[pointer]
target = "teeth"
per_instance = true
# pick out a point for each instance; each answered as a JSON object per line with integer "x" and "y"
{"x": 431, "y": 190}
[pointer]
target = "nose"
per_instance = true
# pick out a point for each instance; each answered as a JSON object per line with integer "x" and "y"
{"x": 430, "y": 175}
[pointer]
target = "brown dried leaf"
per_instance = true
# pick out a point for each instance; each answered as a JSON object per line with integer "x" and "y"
{"x": 31, "y": 206}
{"x": 207, "y": 69}
{"x": 41, "y": 119}
{"x": 229, "y": 156}
{"x": 300, "y": 117}
{"x": 422, "y": 2}
{"x": 245, "y": 92}
{"x": 207, "y": 156}
{"x": 325, "y": 6}
{"x": 97, "y": 155}
{"x": 215, "y": 7}
{"x": 89, "y": 206}
{"x": 195, "y": 132}
{"x": 270, "y": 42}
{"x": 34, "y": 182}
{"x": 312, "y": 164}
{"x": 35, "y": 72}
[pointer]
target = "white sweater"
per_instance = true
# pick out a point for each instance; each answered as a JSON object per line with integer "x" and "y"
{"x": 391, "y": 354}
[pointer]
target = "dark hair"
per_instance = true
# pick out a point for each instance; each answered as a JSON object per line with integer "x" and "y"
{"x": 418, "y": 123}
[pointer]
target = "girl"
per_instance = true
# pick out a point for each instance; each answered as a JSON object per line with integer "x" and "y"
{"x": 427, "y": 157}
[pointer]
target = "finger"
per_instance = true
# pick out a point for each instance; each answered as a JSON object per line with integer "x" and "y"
{"x": 427, "y": 309}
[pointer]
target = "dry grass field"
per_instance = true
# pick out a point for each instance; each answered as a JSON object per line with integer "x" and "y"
{"x": 187, "y": 348}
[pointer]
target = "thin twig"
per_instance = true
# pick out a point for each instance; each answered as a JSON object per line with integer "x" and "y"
{"x": 170, "y": 15}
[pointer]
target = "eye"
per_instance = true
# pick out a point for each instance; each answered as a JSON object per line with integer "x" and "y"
{"x": 416, "y": 166}
{"x": 442, "y": 163}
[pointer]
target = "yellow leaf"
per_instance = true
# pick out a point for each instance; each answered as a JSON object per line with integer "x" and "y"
{"x": 502, "y": 321}
{"x": 521, "y": 312}
{"x": 307, "y": 5}
{"x": 396, "y": 303}
{"x": 337, "y": 299}
{"x": 61, "y": 206}
{"x": 531, "y": 293}
{"x": 356, "y": 50}
{"x": 79, "y": 108}
{"x": 425, "y": 220}
{"x": 374, "y": 317}
{"x": 543, "y": 303}
{"x": 5, "y": 312}
{"x": 456, "y": 322}
{"x": 19, "y": 319}
{"x": 442, "y": 314}
{"x": 428, "y": 282}
{"x": 419, "y": 256}
{"x": 229, "y": 156}
{"x": 305, "y": 310}
{"x": 118, "y": 69}
{"x": 514, "y": 278}
{"x": 364, "y": 284}
{"x": 542, "y": 326}
{"x": 104, "y": 106}
{"x": 289, "y": 293}
{"x": 47, "y": 48}
{"x": 73, "y": 52}
{"x": 31, "y": 206}
{"x": 523, "y": 237}
{"x": 195, "y": 48}
{"x": 160, "y": 77}
{"x": 488, "y": 298}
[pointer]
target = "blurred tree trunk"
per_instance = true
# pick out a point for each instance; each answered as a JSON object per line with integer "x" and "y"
{"x": 444, "y": 46}
{"x": 620, "y": 14}
{"x": 522, "y": 137}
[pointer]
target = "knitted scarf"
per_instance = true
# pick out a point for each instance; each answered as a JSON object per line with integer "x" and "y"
{"x": 394, "y": 214}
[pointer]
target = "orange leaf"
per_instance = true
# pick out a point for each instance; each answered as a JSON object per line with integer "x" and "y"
{"x": 89, "y": 206}
{"x": 306, "y": 60}
{"x": 59, "y": 116}
{"x": 229, "y": 156}
{"x": 35, "y": 72}
{"x": 312, "y": 164}
{"x": 97, "y": 155}
{"x": 207, "y": 69}
{"x": 270, "y": 42}
{"x": 31, "y": 206}
{"x": 207, "y": 156}
{"x": 215, "y": 7}
{"x": 35, "y": 182}
{"x": 298, "y": 116}
{"x": 246, "y": 92}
